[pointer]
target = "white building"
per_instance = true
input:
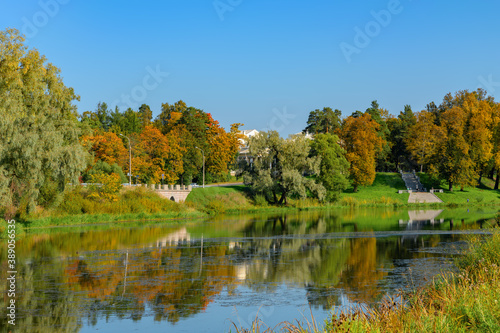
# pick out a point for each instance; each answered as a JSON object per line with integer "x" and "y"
{"x": 244, "y": 150}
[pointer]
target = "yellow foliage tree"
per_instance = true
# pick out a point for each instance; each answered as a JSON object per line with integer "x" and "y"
{"x": 423, "y": 137}
{"x": 360, "y": 140}
{"x": 105, "y": 187}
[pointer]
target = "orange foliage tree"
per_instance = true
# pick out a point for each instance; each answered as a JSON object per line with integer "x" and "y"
{"x": 157, "y": 155}
{"x": 224, "y": 147}
{"x": 107, "y": 147}
{"x": 361, "y": 142}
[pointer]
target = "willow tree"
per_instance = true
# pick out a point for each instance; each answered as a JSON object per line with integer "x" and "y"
{"x": 279, "y": 166}
{"x": 39, "y": 144}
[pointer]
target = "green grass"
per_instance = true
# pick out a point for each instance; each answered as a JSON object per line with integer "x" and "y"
{"x": 141, "y": 204}
{"x": 78, "y": 208}
{"x": 470, "y": 196}
{"x": 218, "y": 200}
{"x": 383, "y": 192}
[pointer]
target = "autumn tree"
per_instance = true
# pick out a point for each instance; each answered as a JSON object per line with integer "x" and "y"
{"x": 38, "y": 124}
{"x": 157, "y": 155}
{"x": 380, "y": 116}
{"x": 169, "y": 116}
{"x": 199, "y": 133}
{"x": 453, "y": 162}
{"x": 463, "y": 152}
{"x": 361, "y": 142}
{"x": 422, "y": 138}
{"x": 279, "y": 166}
{"x": 334, "y": 167}
{"x": 223, "y": 147}
{"x": 107, "y": 147}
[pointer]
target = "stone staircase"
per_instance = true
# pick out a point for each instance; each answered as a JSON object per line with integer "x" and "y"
{"x": 412, "y": 182}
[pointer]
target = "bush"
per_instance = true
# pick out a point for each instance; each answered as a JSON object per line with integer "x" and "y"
{"x": 101, "y": 167}
{"x": 80, "y": 200}
{"x": 215, "y": 207}
{"x": 260, "y": 200}
{"x": 110, "y": 186}
{"x": 73, "y": 201}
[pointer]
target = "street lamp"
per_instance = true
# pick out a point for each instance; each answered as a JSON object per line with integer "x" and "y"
{"x": 203, "y": 153}
{"x": 129, "y": 160}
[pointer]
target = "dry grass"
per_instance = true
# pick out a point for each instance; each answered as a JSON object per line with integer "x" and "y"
{"x": 468, "y": 301}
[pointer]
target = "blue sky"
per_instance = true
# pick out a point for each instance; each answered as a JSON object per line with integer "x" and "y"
{"x": 265, "y": 63}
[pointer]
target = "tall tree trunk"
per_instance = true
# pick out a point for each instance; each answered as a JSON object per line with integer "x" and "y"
{"x": 283, "y": 198}
{"x": 450, "y": 186}
{"x": 492, "y": 173}
{"x": 275, "y": 198}
{"x": 421, "y": 168}
{"x": 480, "y": 177}
{"x": 498, "y": 180}
{"x": 355, "y": 189}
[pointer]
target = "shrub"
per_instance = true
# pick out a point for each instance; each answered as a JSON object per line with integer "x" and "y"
{"x": 215, "y": 207}
{"x": 108, "y": 189}
{"x": 260, "y": 200}
{"x": 101, "y": 167}
{"x": 349, "y": 201}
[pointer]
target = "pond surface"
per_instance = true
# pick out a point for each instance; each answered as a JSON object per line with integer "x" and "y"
{"x": 205, "y": 276}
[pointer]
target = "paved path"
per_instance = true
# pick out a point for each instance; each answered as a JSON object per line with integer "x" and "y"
{"x": 223, "y": 184}
{"x": 423, "y": 197}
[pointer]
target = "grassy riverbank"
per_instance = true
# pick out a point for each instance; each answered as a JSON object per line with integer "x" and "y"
{"x": 465, "y": 301}
{"x": 382, "y": 193}
{"x": 77, "y": 208}
{"x": 140, "y": 204}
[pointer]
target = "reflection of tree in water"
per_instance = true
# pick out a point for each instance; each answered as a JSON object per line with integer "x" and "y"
{"x": 361, "y": 275}
{"x": 281, "y": 253}
{"x": 168, "y": 280}
{"x": 171, "y": 282}
{"x": 43, "y": 303}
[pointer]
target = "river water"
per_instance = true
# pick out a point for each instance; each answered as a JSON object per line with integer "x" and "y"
{"x": 206, "y": 276}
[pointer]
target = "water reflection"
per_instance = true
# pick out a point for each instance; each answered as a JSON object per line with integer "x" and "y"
{"x": 73, "y": 279}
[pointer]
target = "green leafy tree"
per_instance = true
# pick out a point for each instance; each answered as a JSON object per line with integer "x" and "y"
{"x": 279, "y": 166}
{"x": 101, "y": 167}
{"x": 398, "y": 128}
{"x": 323, "y": 121}
{"x": 103, "y": 115}
{"x": 380, "y": 116}
{"x": 146, "y": 115}
{"x": 39, "y": 126}
{"x": 334, "y": 167}
{"x": 131, "y": 122}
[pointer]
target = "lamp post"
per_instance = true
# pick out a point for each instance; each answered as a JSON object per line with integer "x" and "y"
{"x": 203, "y": 153}
{"x": 129, "y": 160}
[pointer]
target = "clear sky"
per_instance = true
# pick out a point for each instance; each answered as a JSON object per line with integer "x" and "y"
{"x": 265, "y": 63}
